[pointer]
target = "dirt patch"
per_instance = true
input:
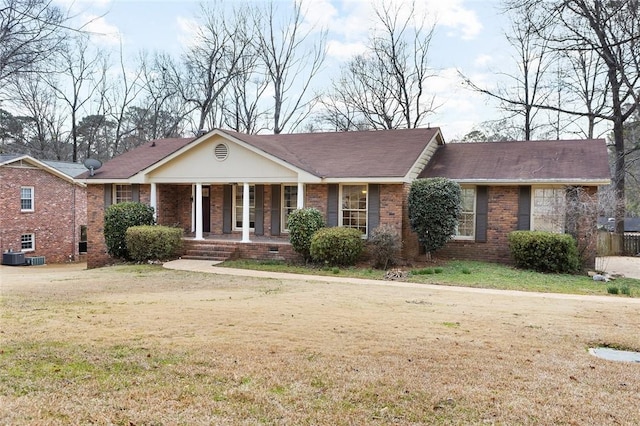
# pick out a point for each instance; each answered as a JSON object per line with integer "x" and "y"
{"x": 156, "y": 346}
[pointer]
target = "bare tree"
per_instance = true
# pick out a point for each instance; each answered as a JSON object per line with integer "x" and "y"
{"x": 384, "y": 88}
{"x": 29, "y": 33}
{"x": 79, "y": 75}
{"x": 213, "y": 60}
{"x": 292, "y": 60}
{"x": 611, "y": 30}
{"x": 530, "y": 84}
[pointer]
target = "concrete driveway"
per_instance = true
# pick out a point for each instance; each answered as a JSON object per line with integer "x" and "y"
{"x": 628, "y": 266}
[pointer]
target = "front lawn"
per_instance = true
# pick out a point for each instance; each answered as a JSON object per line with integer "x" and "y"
{"x": 466, "y": 274}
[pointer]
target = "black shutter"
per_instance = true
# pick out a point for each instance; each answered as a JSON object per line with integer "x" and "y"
{"x": 108, "y": 195}
{"x": 259, "y": 199}
{"x": 275, "y": 209}
{"x": 227, "y": 205}
{"x": 332, "y": 205}
{"x": 482, "y": 210}
{"x": 373, "y": 216}
{"x": 524, "y": 208}
{"x": 135, "y": 192}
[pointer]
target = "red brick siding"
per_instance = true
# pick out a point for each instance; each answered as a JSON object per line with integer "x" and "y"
{"x": 502, "y": 218}
{"x": 60, "y": 208}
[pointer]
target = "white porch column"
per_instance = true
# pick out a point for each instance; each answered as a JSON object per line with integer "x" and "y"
{"x": 154, "y": 201}
{"x": 245, "y": 213}
{"x": 300, "y": 201}
{"x": 199, "y": 211}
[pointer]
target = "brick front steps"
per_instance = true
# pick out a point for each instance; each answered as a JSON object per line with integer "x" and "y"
{"x": 209, "y": 250}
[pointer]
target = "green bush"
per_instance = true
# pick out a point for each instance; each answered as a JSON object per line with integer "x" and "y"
{"x": 434, "y": 207}
{"x": 385, "y": 244}
{"x": 544, "y": 251}
{"x": 117, "y": 219}
{"x": 150, "y": 242}
{"x": 336, "y": 246}
{"x": 302, "y": 224}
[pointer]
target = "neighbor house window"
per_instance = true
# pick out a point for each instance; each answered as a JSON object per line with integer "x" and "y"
{"x": 353, "y": 213}
{"x": 27, "y": 242}
{"x": 239, "y": 191}
{"x": 26, "y": 199}
{"x": 122, "y": 193}
{"x": 289, "y": 203}
{"x": 548, "y": 212}
{"x": 467, "y": 221}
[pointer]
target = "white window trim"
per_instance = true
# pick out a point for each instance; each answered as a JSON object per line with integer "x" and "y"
{"x": 33, "y": 199}
{"x": 340, "y": 209}
{"x": 532, "y": 213}
{"x": 473, "y": 236}
{"x": 114, "y": 190}
{"x": 33, "y": 243}
{"x": 234, "y": 206}
{"x": 283, "y": 222}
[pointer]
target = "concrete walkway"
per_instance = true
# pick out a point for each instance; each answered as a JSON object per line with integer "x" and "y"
{"x": 624, "y": 264}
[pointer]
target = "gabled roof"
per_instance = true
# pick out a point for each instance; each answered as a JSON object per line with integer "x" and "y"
{"x": 558, "y": 161}
{"x": 367, "y": 154}
{"x": 64, "y": 170}
{"x": 131, "y": 162}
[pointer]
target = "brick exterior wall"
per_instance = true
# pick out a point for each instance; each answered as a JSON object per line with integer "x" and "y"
{"x": 60, "y": 208}
{"x": 174, "y": 203}
{"x": 502, "y": 218}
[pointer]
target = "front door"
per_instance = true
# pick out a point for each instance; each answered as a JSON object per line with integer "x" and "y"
{"x": 206, "y": 209}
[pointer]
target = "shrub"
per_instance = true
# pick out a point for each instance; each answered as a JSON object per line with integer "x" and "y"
{"x": 336, "y": 246}
{"x": 544, "y": 251}
{"x": 434, "y": 206}
{"x": 153, "y": 242}
{"x": 384, "y": 246}
{"x": 117, "y": 219}
{"x": 302, "y": 224}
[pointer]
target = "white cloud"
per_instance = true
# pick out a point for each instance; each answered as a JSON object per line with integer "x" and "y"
{"x": 344, "y": 51}
{"x": 102, "y": 32}
{"x": 187, "y": 30}
{"x": 483, "y": 60}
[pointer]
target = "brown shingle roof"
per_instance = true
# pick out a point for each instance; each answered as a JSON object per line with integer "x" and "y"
{"x": 131, "y": 162}
{"x": 563, "y": 160}
{"x": 381, "y": 153}
{"x": 387, "y": 153}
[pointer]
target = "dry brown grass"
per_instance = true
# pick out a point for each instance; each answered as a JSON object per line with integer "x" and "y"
{"x": 148, "y": 346}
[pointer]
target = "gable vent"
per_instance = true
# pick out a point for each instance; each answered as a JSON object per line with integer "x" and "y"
{"x": 221, "y": 151}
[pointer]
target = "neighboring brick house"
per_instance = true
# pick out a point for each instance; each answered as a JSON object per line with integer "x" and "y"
{"x": 238, "y": 187}
{"x": 43, "y": 210}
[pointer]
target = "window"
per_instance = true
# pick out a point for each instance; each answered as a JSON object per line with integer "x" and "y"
{"x": 27, "y": 242}
{"x": 548, "y": 212}
{"x": 289, "y": 203}
{"x": 354, "y": 207}
{"x": 466, "y": 228}
{"x": 26, "y": 199}
{"x": 239, "y": 189}
{"x": 122, "y": 193}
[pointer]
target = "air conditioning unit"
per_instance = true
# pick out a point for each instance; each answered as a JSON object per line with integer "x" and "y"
{"x": 13, "y": 258}
{"x": 35, "y": 260}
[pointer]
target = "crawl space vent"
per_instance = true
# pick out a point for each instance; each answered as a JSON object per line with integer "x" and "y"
{"x": 221, "y": 152}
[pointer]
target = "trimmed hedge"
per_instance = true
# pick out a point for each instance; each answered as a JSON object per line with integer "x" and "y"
{"x": 544, "y": 251}
{"x": 118, "y": 218}
{"x": 302, "y": 224}
{"x": 151, "y": 242}
{"x": 336, "y": 246}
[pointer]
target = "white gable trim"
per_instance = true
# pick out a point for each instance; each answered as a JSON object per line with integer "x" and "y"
{"x": 303, "y": 176}
{"x": 421, "y": 162}
{"x": 39, "y": 164}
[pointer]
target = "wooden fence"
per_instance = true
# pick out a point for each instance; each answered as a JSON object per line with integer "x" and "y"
{"x": 610, "y": 244}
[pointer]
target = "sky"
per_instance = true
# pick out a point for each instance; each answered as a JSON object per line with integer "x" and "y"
{"x": 468, "y": 38}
